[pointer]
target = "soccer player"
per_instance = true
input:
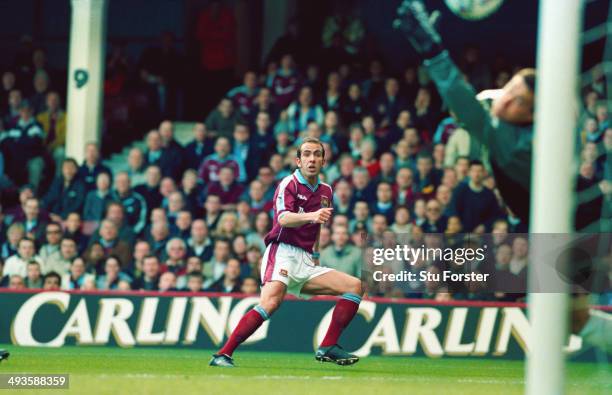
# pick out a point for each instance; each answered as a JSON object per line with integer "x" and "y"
{"x": 506, "y": 130}
{"x": 302, "y": 204}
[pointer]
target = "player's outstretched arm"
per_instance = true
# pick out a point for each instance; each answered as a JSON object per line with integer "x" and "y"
{"x": 294, "y": 220}
{"x": 419, "y": 29}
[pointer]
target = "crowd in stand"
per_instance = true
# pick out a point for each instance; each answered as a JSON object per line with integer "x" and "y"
{"x": 193, "y": 217}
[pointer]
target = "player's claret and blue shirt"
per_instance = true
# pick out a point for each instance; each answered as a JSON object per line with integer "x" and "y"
{"x": 294, "y": 194}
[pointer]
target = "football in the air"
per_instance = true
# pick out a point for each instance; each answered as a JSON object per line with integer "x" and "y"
{"x": 473, "y": 10}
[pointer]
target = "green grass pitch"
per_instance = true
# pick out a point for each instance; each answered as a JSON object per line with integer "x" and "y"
{"x": 102, "y": 370}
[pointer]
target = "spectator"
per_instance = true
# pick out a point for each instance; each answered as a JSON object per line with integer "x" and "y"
{"x": 264, "y": 103}
{"x": 67, "y": 193}
{"x": 52, "y": 282}
{"x": 167, "y": 282}
{"x": 158, "y": 237}
{"x": 243, "y": 96}
{"x": 228, "y": 190}
{"x": 112, "y": 244}
{"x": 250, "y": 286}
{"x": 97, "y": 199}
{"x": 194, "y": 264}
{"x": 141, "y": 249}
{"x": 61, "y": 262}
{"x": 245, "y": 153}
{"x": 363, "y": 190}
{"x": 192, "y": 191}
{"x": 41, "y": 87}
{"x": 401, "y": 222}
{"x": 150, "y": 189}
{"x": 427, "y": 178}
{"x": 518, "y": 263}
{"x": 435, "y": 222}
{"x": 113, "y": 275}
{"x": 149, "y": 279}
{"x": 285, "y": 82}
{"x": 210, "y": 168}
{"x": 136, "y": 168}
{"x": 73, "y": 230}
{"x": 462, "y": 166}
{"x": 425, "y": 117}
{"x": 77, "y": 277}
{"x": 222, "y": 120}
{"x": 266, "y": 176}
{"x": 474, "y": 204}
{"x": 53, "y": 122}
{"x": 17, "y": 264}
{"x": 11, "y": 115}
{"x": 176, "y": 251}
{"x": 14, "y": 234}
{"x": 264, "y": 138}
{"x": 374, "y": 86}
{"x": 332, "y": 100}
{"x": 200, "y": 147}
{"x": 156, "y": 154}
{"x": 22, "y": 148}
{"x": 387, "y": 107}
{"x": 116, "y": 214}
{"x": 404, "y": 193}
{"x": 361, "y": 217}
{"x": 261, "y": 226}
{"x": 230, "y": 281}
{"x": 228, "y": 226}
{"x": 214, "y": 269}
{"x": 8, "y": 84}
{"x": 354, "y": 106}
{"x": 194, "y": 282}
{"x": 33, "y": 222}
{"x": 304, "y": 111}
{"x": 343, "y": 203}
{"x": 94, "y": 258}
{"x": 16, "y": 282}
{"x": 341, "y": 255}
{"x": 173, "y": 151}
{"x": 387, "y": 169}
{"x": 200, "y": 245}
{"x": 91, "y": 167}
{"x": 133, "y": 203}
{"x": 34, "y": 277}
{"x": 176, "y": 204}
{"x": 182, "y": 225}
{"x": 50, "y": 251}
{"x": 384, "y": 202}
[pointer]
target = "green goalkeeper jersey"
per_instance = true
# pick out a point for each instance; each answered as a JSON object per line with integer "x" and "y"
{"x": 509, "y": 146}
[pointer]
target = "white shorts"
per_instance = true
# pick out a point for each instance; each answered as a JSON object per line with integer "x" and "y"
{"x": 290, "y": 265}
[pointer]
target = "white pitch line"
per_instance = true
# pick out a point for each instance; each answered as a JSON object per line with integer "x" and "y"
{"x": 303, "y": 378}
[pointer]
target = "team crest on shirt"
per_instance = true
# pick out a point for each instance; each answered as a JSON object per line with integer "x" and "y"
{"x": 283, "y": 272}
{"x": 324, "y": 202}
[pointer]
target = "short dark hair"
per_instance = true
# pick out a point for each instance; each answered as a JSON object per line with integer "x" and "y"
{"x": 309, "y": 140}
{"x": 25, "y": 239}
{"x": 476, "y": 162}
{"x": 529, "y": 76}
{"x": 53, "y": 274}
{"x": 70, "y": 160}
{"x": 197, "y": 274}
{"x": 151, "y": 256}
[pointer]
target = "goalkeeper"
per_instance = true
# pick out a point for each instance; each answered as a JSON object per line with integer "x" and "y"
{"x": 506, "y": 130}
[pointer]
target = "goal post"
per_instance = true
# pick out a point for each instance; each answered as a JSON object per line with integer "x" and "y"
{"x": 553, "y": 177}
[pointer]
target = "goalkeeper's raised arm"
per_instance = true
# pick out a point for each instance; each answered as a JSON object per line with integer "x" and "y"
{"x": 505, "y": 128}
